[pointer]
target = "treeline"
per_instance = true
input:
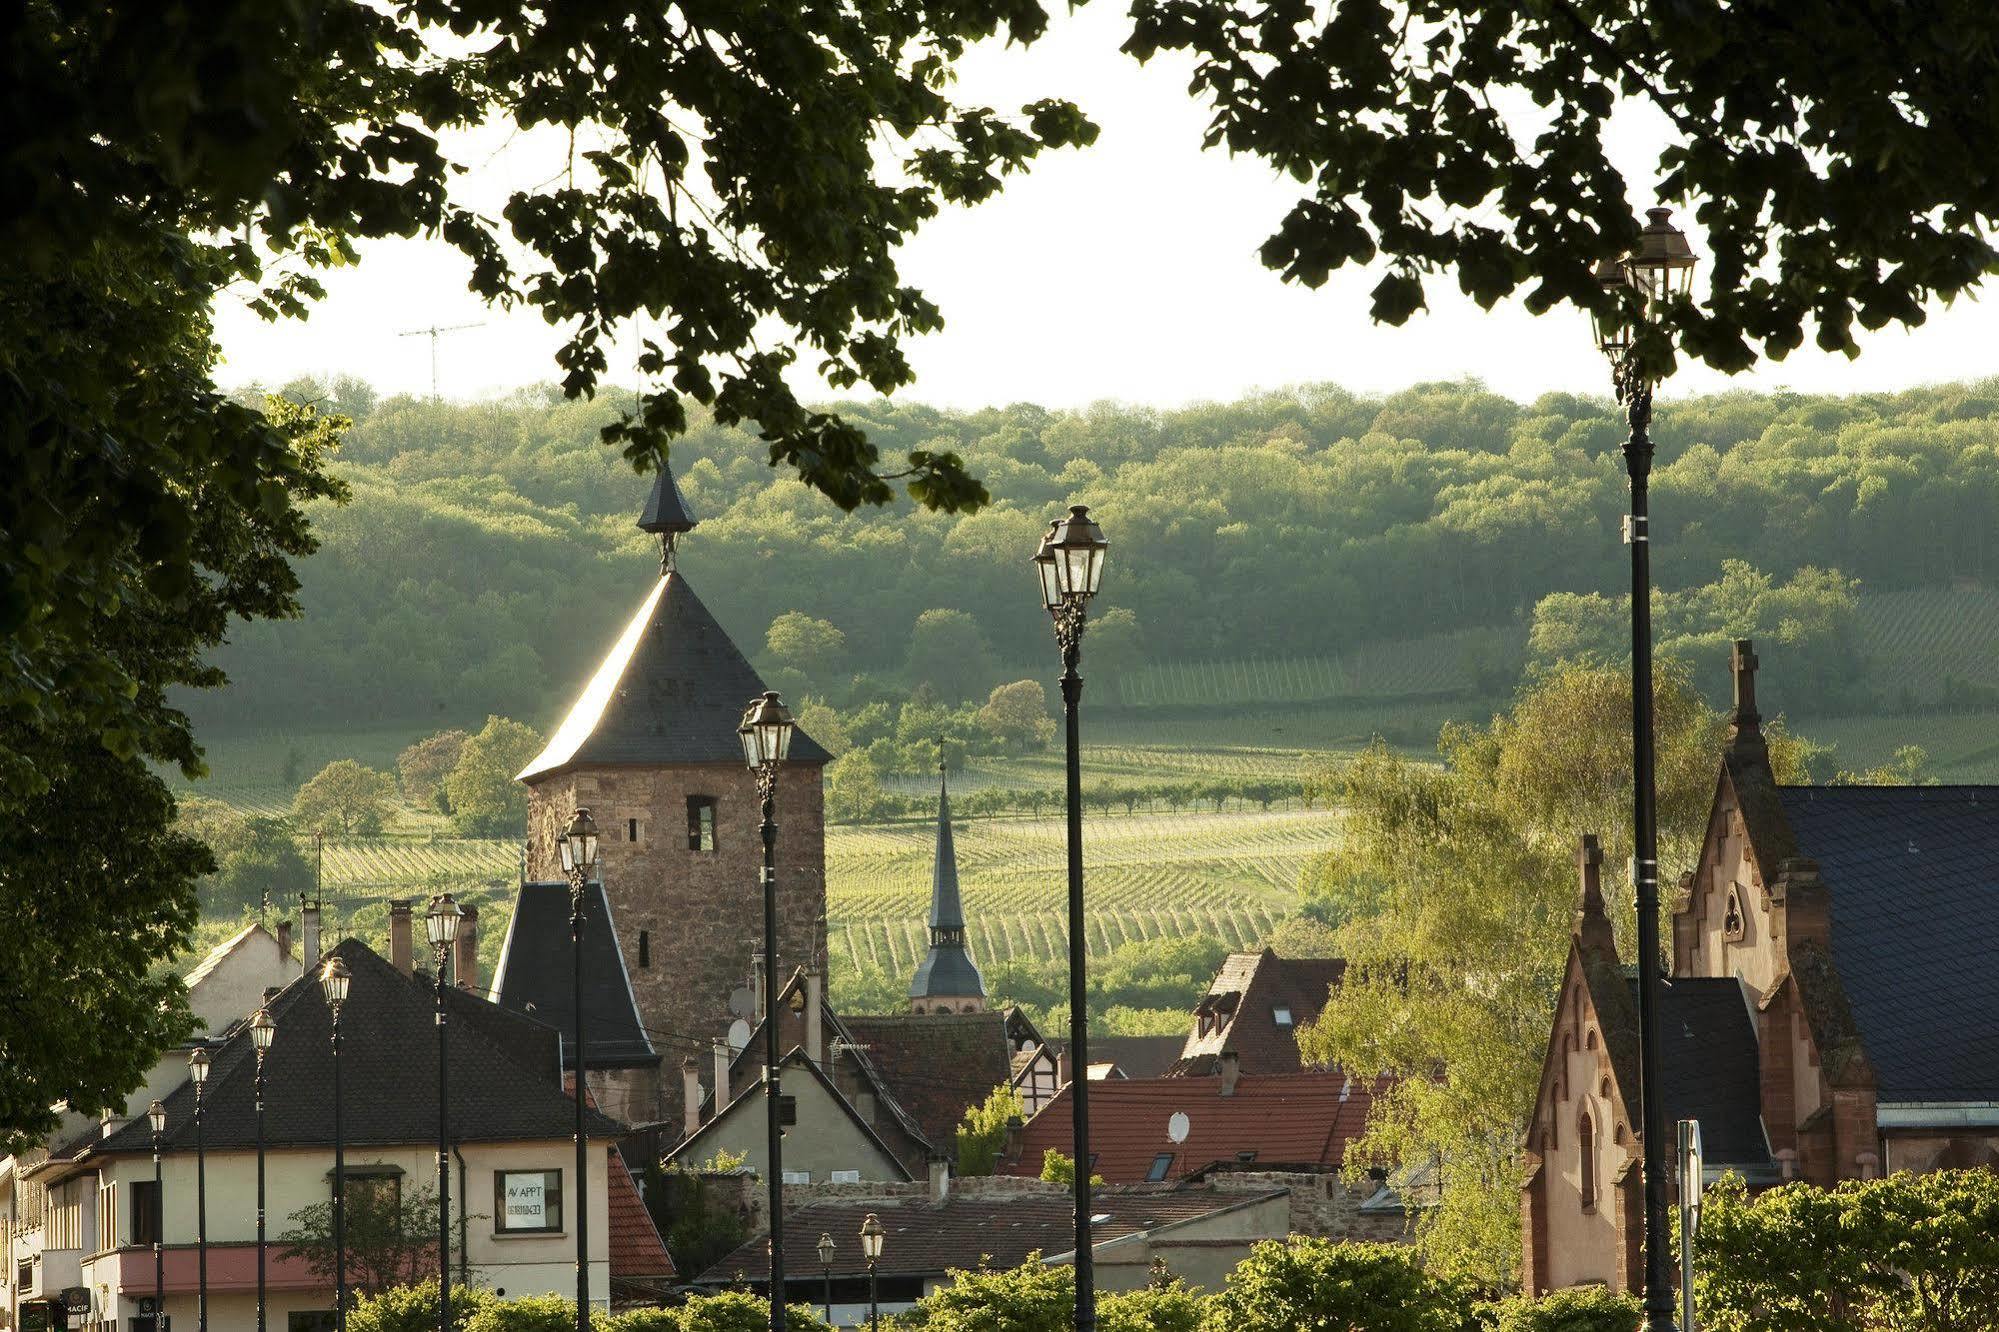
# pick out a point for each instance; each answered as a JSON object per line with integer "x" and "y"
{"x": 488, "y": 553}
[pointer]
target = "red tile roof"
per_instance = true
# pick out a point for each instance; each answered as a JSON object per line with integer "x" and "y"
{"x": 1289, "y": 1119}
{"x": 1240, "y": 1011}
{"x": 637, "y": 1252}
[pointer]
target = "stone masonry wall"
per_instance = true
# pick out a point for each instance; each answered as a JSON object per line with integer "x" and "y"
{"x": 701, "y": 911}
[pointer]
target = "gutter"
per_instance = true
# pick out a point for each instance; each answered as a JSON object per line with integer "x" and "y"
{"x": 1937, "y": 1114}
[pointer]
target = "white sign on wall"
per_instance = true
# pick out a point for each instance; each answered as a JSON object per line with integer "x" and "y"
{"x": 530, "y": 1200}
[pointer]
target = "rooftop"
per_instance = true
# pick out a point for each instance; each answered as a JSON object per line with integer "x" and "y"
{"x": 537, "y": 970}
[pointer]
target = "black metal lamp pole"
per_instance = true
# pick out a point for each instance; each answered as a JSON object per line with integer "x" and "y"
{"x": 766, "y": 735}
{"x": 579, "y": 856}
{"x": 262, "y": 1031}
{"x": 1070, "y": 564}
{"x": 826, "y": 1270}
{"x": 441, "y": 924}
{"x": 1660, "y": 272}
{"x": 197, "y": 1067}
{"x": 334, "y": 978}
{"x": 872, "y": 1236}
{"x": 156, "y": 1115}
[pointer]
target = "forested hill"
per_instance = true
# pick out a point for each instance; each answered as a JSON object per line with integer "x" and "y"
{"x": 488, "y": 553}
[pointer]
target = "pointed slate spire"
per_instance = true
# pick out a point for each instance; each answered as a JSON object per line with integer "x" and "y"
{"x": 666, "y": 514}
{"x": 947, "y": 972}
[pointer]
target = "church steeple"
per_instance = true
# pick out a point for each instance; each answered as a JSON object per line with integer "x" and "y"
{"x": 947, "y": 980}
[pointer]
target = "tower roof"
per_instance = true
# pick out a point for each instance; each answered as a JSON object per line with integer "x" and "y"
{"x": 947, "y": 970}
{"x": 671, "y": 690}
{"x": 666, "y": 508}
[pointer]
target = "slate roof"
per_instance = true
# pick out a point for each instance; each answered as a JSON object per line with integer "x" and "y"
{"x": 936, "y": 1065}
{"x": 1137, "y": 1056}
{"x": 637, "y": 1251}
{"x": 1302, "y": 1120}
{"x": 537, "y": 970}
{"x": 666, "y": 508}
{"x": 1241, "y": 1004}
{"x": 388, "y": 1075}
{"x": 947, "y": 970}
{"x": 928, "y": 1238}
{"x": 672, "y": 689}
{"x": 1708, "y": 1066}
{"x": 1913, "y": 876}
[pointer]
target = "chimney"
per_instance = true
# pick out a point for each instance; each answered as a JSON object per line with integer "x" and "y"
{"x": 1592, "y": 923}
{"x": 1231, "y": 1069}
{"x": 465, "y": 950}
{"x": 815, "y": 1030}
{"x": 690, "y": 1095}
{"x": 721, "y": 1075}
{"x": 940, "y": 1178}
{"x": 309, "y": 932}
{"x": 400, "y": 955}
{"x": 285, "y": 937}
{"x": 1016, "y": 1131}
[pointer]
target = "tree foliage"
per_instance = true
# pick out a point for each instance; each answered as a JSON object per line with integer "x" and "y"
{"x": 485, "y": 799}
{"x": 1340, "y": 1287}
{"x": 413, "y": 1308}
{"x": 390, "y": 1233}
{"x": 982, "y": 1132}
{"x": 347, "y": 796}
{"x": 1577, "y": 1309}
{"x": 422, "y": 767}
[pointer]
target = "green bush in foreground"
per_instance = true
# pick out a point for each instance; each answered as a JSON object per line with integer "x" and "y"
{"x": 413, "y": 1308}
{"x": 1287, "y": 1285}
{"x": 734, "y": 1311}
{"x": 1581, "y": 1309}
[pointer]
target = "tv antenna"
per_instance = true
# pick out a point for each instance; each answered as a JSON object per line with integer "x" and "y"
{"x": 434, "y": 332}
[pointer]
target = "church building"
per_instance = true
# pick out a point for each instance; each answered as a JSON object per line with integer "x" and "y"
{"x": 1832, "y": 1011}
{"x": 650, "y": 748}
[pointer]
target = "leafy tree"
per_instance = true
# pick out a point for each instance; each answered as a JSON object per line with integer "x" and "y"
{"x": 530, "y": 1313}
{"x": 413, "y": 1308}
{"x": 1059, "y": 1168}
{"x": 1578, "y": 1309}
{"x": 1114, "y": 645}
{"x": 853, "y": 787}
{"x": 982, "y": 1132}
{"x": 346, "y": 795}
{"x": 390, "y": 1232}
{"x": 818, "y": 720}
{"x": 266, "y": 868}
{"x": 1456, "y": 884}
{"x": 423, "y": 766}
{"x": 215, "y": 823}
{"x": 740, "y": 1311}
{"x": 1821, "y": 161}
{"x": 810, "y": 646}
{"x": 949, "y": 653}
{"x": 1017, "y": 715}
{"x": 1310, "y": 1282}
{"x": 1033, "y": 1297}
{"x": 696, "y": 1218}
{"x": 1168, "y": 1308}
{"x": 485, "y": 799}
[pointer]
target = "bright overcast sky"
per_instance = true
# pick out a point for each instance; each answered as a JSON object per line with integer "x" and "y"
{"x": 1126, "y": 271}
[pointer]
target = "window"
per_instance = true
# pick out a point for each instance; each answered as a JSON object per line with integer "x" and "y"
{"x": 374, "y": 1197}
{"x": 787, "y": 1110}
{"x": 1731, "y": 920}
{"x": 631, "y": 830}
{"x": 1160, "y": 1165}
{"x": 1244, "y": 1158}
{"x": 700, "y": 823}
{"x": 1586, "y": 1149}
{"x": 845, "y": 1177}
{"x": 645, "y": 948}
{"x": 145, "y": 1212}
{"x": 527, "y": 1202}
{"x": 24, "y": 1276}
{"x": 311, "y": 1320}
{"x": 62, "y": 1221}
{"x": 1281, "y": 1016}
{"x": 107, "y": 1215}
{"x": 798, "y": 1176}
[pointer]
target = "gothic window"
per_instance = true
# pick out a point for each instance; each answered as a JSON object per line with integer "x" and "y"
{"x": 1731, "y": 918}
{"x": 1586, "y": 1151}
{"x": 700, "y": 823}
{"x": 631, "y": 830}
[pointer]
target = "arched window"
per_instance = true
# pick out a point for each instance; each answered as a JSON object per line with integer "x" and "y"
{"x": 1731, "y": 918}
{"x": 1586, "y": 1151}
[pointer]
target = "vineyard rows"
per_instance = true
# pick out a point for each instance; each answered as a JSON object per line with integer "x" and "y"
{"x": 1435, "y": 664}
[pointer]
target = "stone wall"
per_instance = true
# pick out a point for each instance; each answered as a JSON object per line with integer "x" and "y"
{"x": 700, "y": 912}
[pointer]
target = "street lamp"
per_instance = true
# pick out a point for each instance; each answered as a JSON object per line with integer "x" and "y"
{"x": 1646, "y": 283}
{"x": 197, "y": 1070}
{"x": 334, "y": 979}
{"x": 156, "y": 1115}
{"x": 262, "y": 1031}
{"x": 766, "y": 735}
{"x": 578, "y": 848}
{"x": 872, "y": 1235}
{"x": 441, "y": 925}
{"x": 826, "y": 1269}
{"x": 1070, "y": 565}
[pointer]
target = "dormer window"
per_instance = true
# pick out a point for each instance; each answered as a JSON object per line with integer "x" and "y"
{"x": 1731, "y": 917}
{"x": 1281, "y": 1016}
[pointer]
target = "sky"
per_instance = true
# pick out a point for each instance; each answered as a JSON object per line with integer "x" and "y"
{"x": 1124, "y": 271}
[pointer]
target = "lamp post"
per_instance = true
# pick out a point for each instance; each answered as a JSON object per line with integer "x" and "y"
{"x": 766, "y": 735}
{"x": 441, "y": 925}
{"x": 262, "y": 1032}
{"x": 1070, "y": 564}
{"x": 578, "y": 845}
{"x": 826, "y": 1270}
{"x": 334, "y": 978}
{"x": 156, "y": 1115}
{"x": 197, "y": 1069}
{"x": 1646, "y": 282}
{"x": 872, "y": 1235}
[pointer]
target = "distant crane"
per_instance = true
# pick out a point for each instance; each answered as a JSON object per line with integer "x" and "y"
{"x": 434, "y": 333}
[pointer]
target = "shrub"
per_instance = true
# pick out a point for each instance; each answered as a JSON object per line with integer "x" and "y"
{"x": 740, "y": 1311}
{"x": 413, "y": 1308}
{"x": 1168, "y": 1308}
{"x": 532, "y": 1313}
{"x": 1336, "y": 1287}
{"x": 645, "y": 1320}
{"x": 1030, "y": 1298}
{"x": 1583, "y": 1309}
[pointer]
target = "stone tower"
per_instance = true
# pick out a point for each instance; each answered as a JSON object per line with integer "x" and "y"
{"x": 650, "y": 748}
{"x": 947, "y": 980}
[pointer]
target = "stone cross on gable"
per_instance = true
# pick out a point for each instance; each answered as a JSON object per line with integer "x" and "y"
{"x": 1742, "y": 662}
{"x": 1592, "y": 923}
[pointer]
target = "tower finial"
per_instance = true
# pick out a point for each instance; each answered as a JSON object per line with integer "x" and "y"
{"x": 1742, "y": 663}
{"x": 666, "y": 514}
{"x": 1592, "y": 924}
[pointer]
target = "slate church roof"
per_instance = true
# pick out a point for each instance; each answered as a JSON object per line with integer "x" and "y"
{"x": 1708, "y": 1066}
{"x": 673, "y": 687}
{"x": 1913, "y": 874}
{"x": 947, "y": 970}
{"x": 536, "y": 976}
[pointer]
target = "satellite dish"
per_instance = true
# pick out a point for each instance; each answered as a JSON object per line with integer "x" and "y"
{"x": 1177, "y": 1126}
{"x": 739, "y": 1034}
{"x": 743, "y": 1002}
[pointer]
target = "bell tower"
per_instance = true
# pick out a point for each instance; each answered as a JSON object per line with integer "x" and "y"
{"x": 650, "y": 748}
